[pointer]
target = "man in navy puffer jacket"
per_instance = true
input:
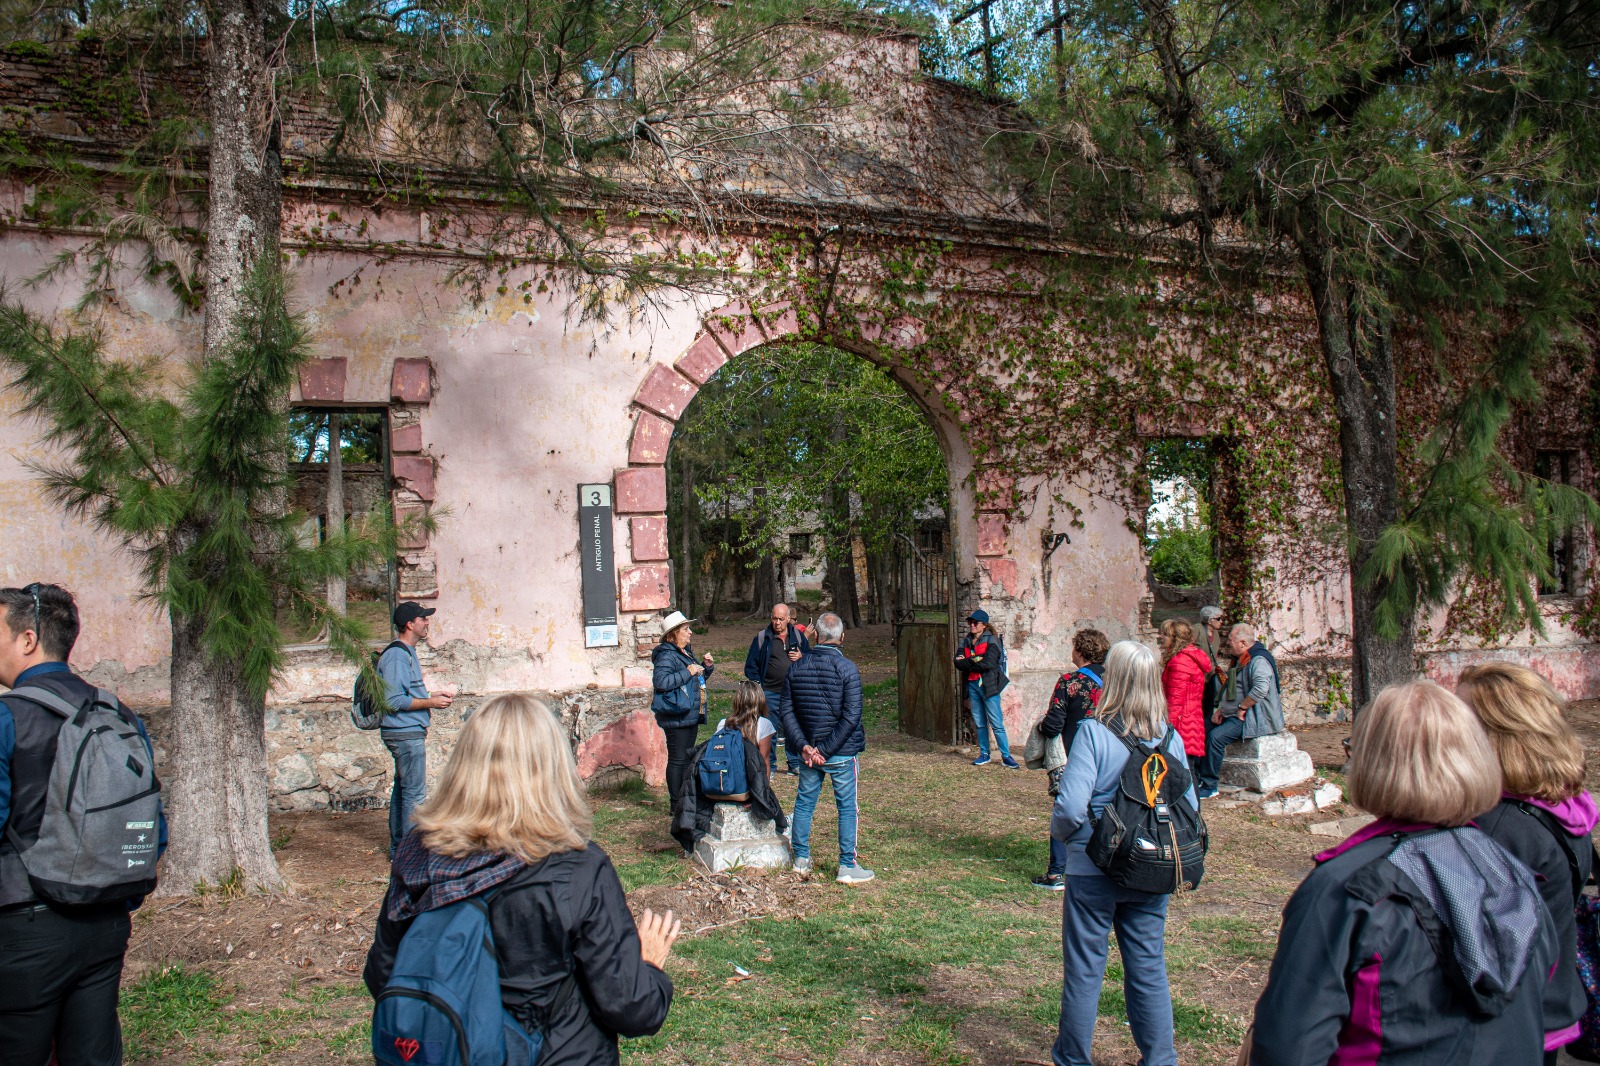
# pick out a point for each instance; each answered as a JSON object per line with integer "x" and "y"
{"x": 822, "y": 721}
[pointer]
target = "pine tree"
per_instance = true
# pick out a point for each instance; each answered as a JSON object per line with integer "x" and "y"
{"x": 194, "y": 488}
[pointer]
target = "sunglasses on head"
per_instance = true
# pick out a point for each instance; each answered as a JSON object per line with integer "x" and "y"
{"x": 33, "y": 590}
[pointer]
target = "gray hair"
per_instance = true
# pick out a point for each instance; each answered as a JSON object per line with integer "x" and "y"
{"x": 830, "y": 628}
{"x": 1242, "y": 627}
{"x": 1133, "y": 690}
{"x": 1210, "y": 612}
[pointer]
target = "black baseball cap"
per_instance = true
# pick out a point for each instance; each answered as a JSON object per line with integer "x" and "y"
{"x": 409, "y": 612}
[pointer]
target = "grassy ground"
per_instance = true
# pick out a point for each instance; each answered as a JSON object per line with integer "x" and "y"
{"x": 950, "y": 956}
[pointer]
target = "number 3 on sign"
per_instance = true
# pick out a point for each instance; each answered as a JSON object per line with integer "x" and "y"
{"x": 594, "y": 496}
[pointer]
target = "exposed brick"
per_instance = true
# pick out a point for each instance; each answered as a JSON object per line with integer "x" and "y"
{"x": 649, "y": 536}
{"x": 652, "y": 435}
{"x": 704, "y": 358}
{"x": 415, "y": 472}
{"x": 419, "y": 577}
{"x": 991, "y": 534}
{"x": 322, "y": 380}
{"x": 406, "y": 438}
{"x": 411, "y": 381}
{"x": 410, "y": 513}
{"x": 666, "y": 392}
{"x": 646, "y": 588}
{"x": 734, "y": 329}
{"x": 1002, "y": 572}
{"x": 641, "y": 490}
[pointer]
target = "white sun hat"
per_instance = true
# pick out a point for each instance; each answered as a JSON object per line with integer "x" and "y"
{"x": 673, "y": 621}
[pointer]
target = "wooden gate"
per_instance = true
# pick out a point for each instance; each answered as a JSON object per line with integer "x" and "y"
{"x": 927, "y": 680}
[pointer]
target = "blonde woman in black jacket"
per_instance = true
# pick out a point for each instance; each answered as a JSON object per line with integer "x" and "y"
{"x": 509, "y": 815}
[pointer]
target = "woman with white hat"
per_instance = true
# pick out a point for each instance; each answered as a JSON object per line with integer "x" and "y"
{"x": 678, "y": 679}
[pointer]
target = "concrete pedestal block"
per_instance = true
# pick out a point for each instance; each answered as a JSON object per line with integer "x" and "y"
{"x": 1262, "y": 764}
{"x": 738, "y": 838}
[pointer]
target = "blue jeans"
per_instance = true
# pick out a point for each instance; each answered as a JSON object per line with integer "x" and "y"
{"x": 1058, "y": 858}
{"x": 1217, "y": 741}
{"x": 986, "y": 713}
{"x": 410, "y": 783}
{"x": 775, "y": 714}
{"x": 1094, "y": 905}
{"x": 842, "y": 769}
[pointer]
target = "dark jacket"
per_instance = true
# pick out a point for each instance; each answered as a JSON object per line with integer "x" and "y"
{"x": 986, "y": 665}
{"x": 1073, "y": 700}
{"x": 1527, "y": 829}
{"x": 761, "y": 646}
{"x": 1409, "y": 946}
{"x": 561, "y": 916}
{"x": 822, "y": 704}
{"x": 28, "y": 735}
{"x": 691, "y": 812}
{"x": 677, "y": 699}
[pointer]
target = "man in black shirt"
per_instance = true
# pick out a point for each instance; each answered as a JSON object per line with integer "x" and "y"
{"x": 767, "y": 664}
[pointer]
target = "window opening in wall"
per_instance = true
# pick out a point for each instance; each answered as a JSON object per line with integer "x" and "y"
{"x": 339, "y": 469}
{"x": 1562, "y": 548}
{"x": 800, "y": 544}
{"x": 1179, "y": 532}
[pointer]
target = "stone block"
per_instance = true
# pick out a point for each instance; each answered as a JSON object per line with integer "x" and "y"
{"x": 293, "y": 773}
{"x": 646, "y": 588}
{"x": 409, "y": 519}
{"x": 641, "y": 490}
{"x": 666, "y": 392}
{"x": 652, "y": 436}
{"x": 411, "y": 381}
{"x": 322, "y": 380}
{"x": 403, "y": 439}
{"x": 649, "y": 536}
{"x": 1327, "y": 794}
{"x": 734, "y": 329}
{"x": 991, "y": 534}
{"x": 1266, "y": 763}
{"x": 779, "y": 319}
{"x": 738, "y": 838}
{"x": 1340, "y": 828}
{"x": 704, "y": 358}
{"x": 1288, "y": 805}
{"x": 632, "y": 741}
{"x": 415, "y": 472}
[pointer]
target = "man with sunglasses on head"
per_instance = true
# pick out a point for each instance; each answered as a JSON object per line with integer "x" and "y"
{"x": 60, "y": 966}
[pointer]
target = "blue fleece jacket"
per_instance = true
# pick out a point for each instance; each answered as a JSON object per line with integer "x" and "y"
{"x": 1094, "y": 769}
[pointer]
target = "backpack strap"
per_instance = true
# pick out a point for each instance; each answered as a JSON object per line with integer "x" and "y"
{"x": 55, "y": 704}
{"x": 1092, "y": 676}
{"x": 1548, "y": 820}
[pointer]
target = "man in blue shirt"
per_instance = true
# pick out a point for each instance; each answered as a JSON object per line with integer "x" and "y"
{"x": 405, "y": 724}
{"x": 59, "y": 967}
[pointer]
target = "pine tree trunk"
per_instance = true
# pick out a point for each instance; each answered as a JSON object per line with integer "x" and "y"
{"x": 1360, "y": 364}
{"x": 217, "y": 792}
{"x": 335, "y": 508}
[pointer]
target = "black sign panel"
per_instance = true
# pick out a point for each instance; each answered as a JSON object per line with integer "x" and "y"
{"x": 599, "y": 568}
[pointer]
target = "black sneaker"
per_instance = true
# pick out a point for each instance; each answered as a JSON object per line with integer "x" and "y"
{"x": 1052, "y": 882}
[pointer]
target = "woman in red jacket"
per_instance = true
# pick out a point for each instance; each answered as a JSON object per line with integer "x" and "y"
{"x": 1183, "y": 679}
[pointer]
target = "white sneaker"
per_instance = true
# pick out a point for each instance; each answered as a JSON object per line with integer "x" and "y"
{"x": 802, "y": 866}
{"x": 854, "y": 875}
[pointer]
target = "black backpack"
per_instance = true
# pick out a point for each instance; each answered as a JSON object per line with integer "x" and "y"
{"x": 367, "y": 707}
{"x": 1147, "y": 839}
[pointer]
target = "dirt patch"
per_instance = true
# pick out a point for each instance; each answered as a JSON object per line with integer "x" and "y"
{"x": 709, "y": 901}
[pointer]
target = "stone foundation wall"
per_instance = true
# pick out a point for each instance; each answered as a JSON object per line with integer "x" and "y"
{"x": 318, "y": 760}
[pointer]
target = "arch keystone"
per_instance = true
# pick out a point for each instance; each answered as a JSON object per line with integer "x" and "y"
{"x": 666, "y": 392}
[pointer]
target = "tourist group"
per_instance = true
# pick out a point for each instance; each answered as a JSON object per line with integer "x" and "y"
{"x": 1452, "y": 929}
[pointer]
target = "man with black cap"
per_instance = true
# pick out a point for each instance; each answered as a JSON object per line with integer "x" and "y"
{"x": 405, "y": 724}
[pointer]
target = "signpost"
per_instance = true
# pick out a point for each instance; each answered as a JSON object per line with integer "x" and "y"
{"x": 599, "y": 568}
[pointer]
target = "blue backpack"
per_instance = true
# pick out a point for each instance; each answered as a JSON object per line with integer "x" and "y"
{"x": 442, "y": 1004}
{"x": 722, "y": 767}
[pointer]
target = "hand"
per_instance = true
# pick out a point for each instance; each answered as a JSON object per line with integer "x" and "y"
{"x": 794, "y": 655}
{"x": 1241, "y": 714}
{"x": 441, "y": 701}
{"x": 1216, "y": 717}
{"x": 707, "y": 659}
{"x": 811, "y": 756}
{"x": 446, "y": 690}
{"x": 657, "y": 934}
{"x": 695, "y": 669}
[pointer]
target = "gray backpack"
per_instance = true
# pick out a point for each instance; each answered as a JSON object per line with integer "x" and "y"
{"x": 97, "y": 843}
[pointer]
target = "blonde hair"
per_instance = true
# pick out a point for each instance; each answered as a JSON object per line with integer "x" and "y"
{"x": 1133, "y": 691}
{"x": 1418, "y": 754}
{"x": 1176, "y": 634}
{"x": 1540, "y": 756}
{"x": 749, "y": 704}
{"x": 510, "y": 787}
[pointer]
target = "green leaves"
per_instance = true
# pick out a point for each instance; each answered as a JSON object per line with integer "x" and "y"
{"x": 195, "y": 488}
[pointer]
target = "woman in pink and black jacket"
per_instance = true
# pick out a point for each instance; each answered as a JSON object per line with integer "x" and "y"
{"x": 1419, "y": 941}
{"x": 1544, "y": 816}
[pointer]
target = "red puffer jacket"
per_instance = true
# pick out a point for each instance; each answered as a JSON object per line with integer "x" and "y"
{"x": 1184, "y": 681}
